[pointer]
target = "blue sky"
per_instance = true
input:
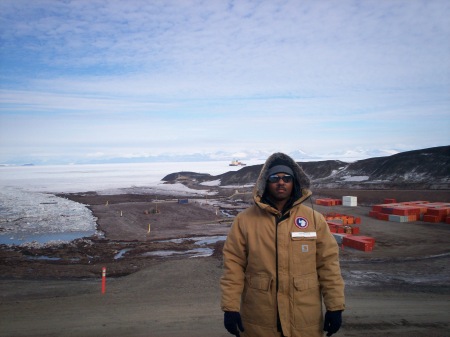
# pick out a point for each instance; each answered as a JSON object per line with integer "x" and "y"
{"x": 98, "y": 79}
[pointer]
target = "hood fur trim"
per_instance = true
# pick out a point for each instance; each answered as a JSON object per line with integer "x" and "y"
{"x": 300, "y": 176}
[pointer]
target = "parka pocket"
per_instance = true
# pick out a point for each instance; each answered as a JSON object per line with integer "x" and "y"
{"x": 307, "y": 301}
{"x": 258, "y": 302}
{"x": 303, "y": 255}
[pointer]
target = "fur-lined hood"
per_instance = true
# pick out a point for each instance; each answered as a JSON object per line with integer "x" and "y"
{"x": 301, "y": 179}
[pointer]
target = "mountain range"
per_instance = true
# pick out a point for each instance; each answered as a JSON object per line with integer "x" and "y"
{"x": 247, "y": 155}
{"x": 418, "y": 169}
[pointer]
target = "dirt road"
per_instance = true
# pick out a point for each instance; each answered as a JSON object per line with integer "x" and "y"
{"x": 180, "y": 298}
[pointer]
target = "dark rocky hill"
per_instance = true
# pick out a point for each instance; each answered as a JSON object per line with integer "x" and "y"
{"x": 419, "y": 169}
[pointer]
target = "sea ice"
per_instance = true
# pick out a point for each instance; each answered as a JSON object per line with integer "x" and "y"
{"x": 26, "y": 214}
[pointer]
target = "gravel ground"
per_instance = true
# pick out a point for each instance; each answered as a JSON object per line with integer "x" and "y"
{"x": 399, "y": 289}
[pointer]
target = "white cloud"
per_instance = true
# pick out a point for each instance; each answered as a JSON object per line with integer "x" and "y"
{"x": 124, "y": 77}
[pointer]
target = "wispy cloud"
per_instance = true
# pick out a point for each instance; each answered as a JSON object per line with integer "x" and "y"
{"x": 198, "y": 75}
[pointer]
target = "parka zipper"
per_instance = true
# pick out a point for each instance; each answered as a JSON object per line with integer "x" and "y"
{"x": 278, "y": 219}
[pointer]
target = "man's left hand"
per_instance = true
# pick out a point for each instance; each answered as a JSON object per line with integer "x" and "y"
{"x": 333, "y": 321}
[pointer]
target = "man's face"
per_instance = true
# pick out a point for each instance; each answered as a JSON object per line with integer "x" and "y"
{"x": 279, "y": 189}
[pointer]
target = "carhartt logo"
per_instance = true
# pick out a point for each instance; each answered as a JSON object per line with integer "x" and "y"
{"x": 301, "y": 222}
{"x": 305, "y": 248}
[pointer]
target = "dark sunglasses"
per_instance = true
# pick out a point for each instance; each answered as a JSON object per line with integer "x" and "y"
{"x": 274, "y": 178}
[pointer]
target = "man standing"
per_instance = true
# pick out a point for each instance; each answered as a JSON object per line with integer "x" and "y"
{"x": 280, "y": 261}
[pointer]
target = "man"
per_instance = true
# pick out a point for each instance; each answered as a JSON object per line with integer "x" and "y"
{"x": 280, "y": 261}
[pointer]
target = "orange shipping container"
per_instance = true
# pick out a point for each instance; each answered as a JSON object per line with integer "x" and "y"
{"x": 412, "y": 217}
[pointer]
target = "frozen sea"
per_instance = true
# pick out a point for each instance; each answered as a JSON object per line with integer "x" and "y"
{"x": 31, "y": 213}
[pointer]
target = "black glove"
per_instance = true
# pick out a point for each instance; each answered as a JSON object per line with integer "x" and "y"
{"x": 333, "y": 321}
{"x": 232, "y": 321}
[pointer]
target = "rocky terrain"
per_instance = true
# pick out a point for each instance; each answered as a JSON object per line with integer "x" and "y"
{"x": 413, "y": 170}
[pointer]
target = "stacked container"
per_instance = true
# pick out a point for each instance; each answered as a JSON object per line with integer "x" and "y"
{"x": 412, "y": 211}
{"x": 346, "y": 234}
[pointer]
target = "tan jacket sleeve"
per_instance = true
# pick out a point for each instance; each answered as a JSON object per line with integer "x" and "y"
{"x": 235, "y": 262}
{"x": 328, "y": 269}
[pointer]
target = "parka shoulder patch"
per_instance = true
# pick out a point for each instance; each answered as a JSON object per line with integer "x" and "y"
{"x": 301, "y": 222}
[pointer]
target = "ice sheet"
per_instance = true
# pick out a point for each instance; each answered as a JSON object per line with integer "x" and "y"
{"x": 27, "y": 216}
{"x": 83, "y": 178}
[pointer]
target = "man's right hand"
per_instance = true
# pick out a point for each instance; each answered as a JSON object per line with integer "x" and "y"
{"x": 233, "y": 323}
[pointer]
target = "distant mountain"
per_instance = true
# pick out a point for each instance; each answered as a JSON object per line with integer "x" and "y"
{"x": 419, "y": 169}
{"x": 359, "y": 153}
{"x": 247, "y": 155}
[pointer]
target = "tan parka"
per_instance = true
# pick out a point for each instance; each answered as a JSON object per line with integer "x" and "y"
{"x": 281, "y": 264}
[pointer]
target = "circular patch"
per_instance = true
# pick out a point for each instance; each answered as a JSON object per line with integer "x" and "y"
{"x": 301, "y": 222}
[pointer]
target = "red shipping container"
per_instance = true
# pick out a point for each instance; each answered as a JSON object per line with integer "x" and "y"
{"x": 406, "y": 210}
{"x": 373, "y": 214}
{"x": 423, "y": 209}
{"x": 350, "y": 238}
{"x": 431, "y": 218}
{"x": 400, "y": 211}
{"x": 377, "y": 208}
{"x": 358, "y": 220}
{"x": 362, "y": 245}
{"x": 389, "y": 201}
{"x": 387, "y": 210}
{"x": 439, "y": 212}
{"x": 356, "y": 243}
{"x": 438, "y": 204}
{"x": 355, "y": 230}
{"x": 366, "y": 247}
{"x": 328, "y": 202}
{"x": 382, "y": 216}
{"x": 415, "y": 202}
{"x": 366, "y": 238}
